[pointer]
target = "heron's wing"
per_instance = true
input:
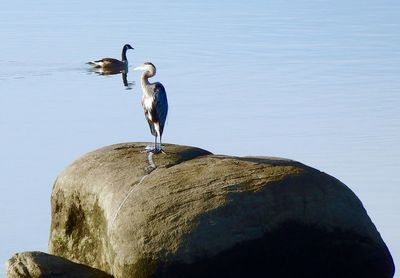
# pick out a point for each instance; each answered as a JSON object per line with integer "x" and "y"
{"x": 160, "y": 104}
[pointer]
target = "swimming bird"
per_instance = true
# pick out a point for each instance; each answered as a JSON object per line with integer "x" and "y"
{"x": 154, "y": 103}
{"x": 111, "y": 64}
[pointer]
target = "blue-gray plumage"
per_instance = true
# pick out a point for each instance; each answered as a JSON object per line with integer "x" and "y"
{"x": 154, "y": 103}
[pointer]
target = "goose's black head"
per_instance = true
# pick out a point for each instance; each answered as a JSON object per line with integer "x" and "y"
{"x": 128, "y": 46}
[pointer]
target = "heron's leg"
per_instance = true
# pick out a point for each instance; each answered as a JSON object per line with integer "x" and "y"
{"x": 161, "y": 149}
{"x": 152, "y": 148}
{"x": 149, "y": 148}
{"x": 157, "y": 148}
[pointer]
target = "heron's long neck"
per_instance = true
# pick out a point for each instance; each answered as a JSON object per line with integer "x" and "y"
{"x": 145, "y": 81}
{"x": 124, "y": 59}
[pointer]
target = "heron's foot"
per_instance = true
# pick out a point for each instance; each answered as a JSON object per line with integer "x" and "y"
{"x": 153, "y": 149}
{"x": 156, "y": 150}
{"x": 149, "y": 148}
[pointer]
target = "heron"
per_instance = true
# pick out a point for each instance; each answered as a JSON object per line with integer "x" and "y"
{"x": 111, "y": 64}
{"x": 154, "y": 103}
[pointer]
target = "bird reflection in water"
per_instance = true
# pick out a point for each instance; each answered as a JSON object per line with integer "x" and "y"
{"x": 124, "y": 74}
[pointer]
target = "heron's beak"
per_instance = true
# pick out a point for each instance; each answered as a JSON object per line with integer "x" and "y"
{"x": 139, "y": 68}
{"x": 142, "y": 67}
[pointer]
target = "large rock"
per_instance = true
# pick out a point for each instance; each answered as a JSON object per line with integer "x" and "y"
{"x": 42, "y": 265}
{"x": 204, "y": 215}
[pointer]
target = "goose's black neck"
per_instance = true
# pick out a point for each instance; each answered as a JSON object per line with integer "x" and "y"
{"x": 124, "y": 54}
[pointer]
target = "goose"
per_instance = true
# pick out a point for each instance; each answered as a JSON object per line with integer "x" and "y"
{"x": 111, "y": 64}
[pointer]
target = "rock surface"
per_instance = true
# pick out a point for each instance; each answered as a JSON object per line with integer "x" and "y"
{"x": 39, "y": 265}
{"x": 204, "y": 215}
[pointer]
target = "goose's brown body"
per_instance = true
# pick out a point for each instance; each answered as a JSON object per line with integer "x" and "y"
{"x": 111, "y": 63}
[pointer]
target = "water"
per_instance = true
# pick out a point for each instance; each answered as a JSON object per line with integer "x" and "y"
{"x": 314, "y": 81}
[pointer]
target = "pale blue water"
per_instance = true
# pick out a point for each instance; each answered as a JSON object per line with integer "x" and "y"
{"x": 314, "y": 81}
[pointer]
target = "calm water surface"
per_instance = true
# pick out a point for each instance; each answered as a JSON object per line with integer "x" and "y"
{"x": 314, "y": 81}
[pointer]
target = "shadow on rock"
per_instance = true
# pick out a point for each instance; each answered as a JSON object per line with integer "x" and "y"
{"x": 292, "y": 250}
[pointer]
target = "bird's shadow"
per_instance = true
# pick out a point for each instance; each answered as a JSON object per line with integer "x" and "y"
{"x": 106, "y": 72}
